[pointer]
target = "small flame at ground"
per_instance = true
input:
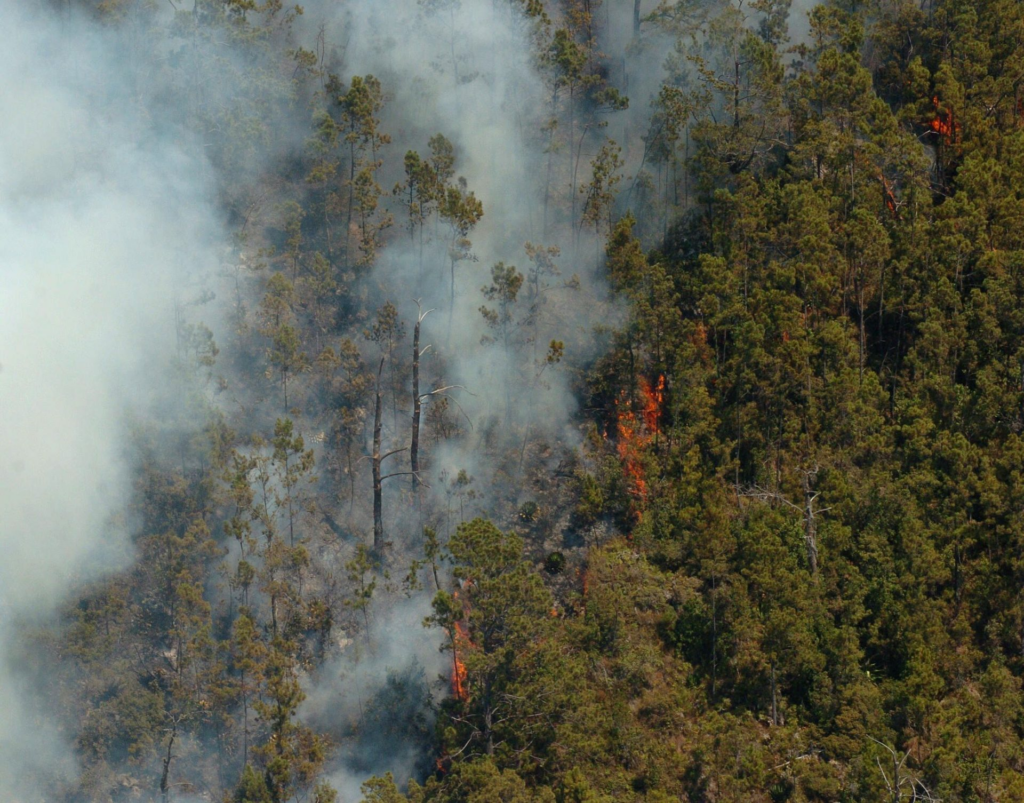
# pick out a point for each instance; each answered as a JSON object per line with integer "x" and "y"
{"x": 461, "y": 641}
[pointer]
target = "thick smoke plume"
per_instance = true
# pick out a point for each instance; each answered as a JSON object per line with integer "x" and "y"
{"x": 100, "y": 228}
{"x": 470, "y": 71}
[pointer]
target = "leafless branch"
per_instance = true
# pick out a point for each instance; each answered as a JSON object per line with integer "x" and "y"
{"x": 442, "y": 390}
{"x": 400, "y": 474}
{"x": 393, "y": 451}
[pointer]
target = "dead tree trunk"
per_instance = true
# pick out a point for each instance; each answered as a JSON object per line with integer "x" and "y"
{"x": 810, "y": 521}
{"x": 165, "y": 787}
{"x": 636, "y": 17}
{"x": 377, "y": 460}
{"x": 775, "y": 698}
{"x": 417, "y": 401}
{"x": 417, "y": 405}
{"x": 378, "y": 507}
{"x": 807, "y": 511}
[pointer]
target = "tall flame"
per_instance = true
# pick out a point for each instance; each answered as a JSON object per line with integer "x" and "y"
{"x": 635, "y": 431}
{"x": 459, "y": 689}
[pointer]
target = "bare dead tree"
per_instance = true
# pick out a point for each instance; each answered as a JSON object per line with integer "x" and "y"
{"x": 811, "y": 517}
{"x": 378, "y": 506}
{"x": 417, "y": 399}
{"x": 172, "y": 731}
{"x": 807, "y": 509}
{"x": 378, "y": 459}
{"x": 900, "y": 784}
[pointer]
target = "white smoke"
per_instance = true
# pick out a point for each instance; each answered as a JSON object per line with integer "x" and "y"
{"x": 100, "y": 221}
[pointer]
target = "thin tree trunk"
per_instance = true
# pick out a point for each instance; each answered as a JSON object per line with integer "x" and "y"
{"x": 489, "y": 730}
{"x": 378, "y": 508}
{"x": 572, "y": 172}
{"x": 394, "y": 387}
{"x": 165, "y": 789}
{"x": 810, "y": 525}
{"x": 714, "y": 635}
{"x": 417, "y": 406}
{"x": 291, "y": 507}
{"x": 451, "y": 308}
{"x": 863, "y": 331}
{"x": 245, "y": 721}
{"x": 736, "y": 99}
{"x": 351, "y": 477}
{"x": 547, "y": 181}
{"x": 351, "y": 200}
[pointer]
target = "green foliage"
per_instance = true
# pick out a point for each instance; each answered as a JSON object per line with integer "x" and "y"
{"x": 252, "y": 788}
{"x": 802, "y": 474}
{"x": 361, "y": 570}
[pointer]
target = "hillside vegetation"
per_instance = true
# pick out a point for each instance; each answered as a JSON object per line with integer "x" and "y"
{"x": 588, "y": 400}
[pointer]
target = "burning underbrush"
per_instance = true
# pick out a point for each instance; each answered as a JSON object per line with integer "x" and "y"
{"x": 461, "y": 642}
{"x": 637, "y": 426}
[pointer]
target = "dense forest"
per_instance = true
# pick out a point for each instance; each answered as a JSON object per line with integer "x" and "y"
{"x": 562, "y": 401}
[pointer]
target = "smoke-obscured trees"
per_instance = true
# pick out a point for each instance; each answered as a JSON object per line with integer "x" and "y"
{"x": 503, "y": 292}
{"x": 461, "y": 210}
{"x": 360, "y": 107}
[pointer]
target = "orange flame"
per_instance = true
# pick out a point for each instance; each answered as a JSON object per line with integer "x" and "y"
{"x": 460, "y": 640}
{"x": 653, "y": 399}
{"x": 459, "y": 690}
{"x": 944, "y": 124}
{"x": 635, "y": 432}
{"x": 888, "y": 196}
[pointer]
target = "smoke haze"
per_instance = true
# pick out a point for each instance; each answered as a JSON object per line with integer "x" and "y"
{"x": 99, "y": 228}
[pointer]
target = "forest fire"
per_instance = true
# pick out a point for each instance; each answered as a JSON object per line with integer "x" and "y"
{"x": 889, "y": 197}
{"x": 653, "y": 399}
{"x": 634, "y": 432}
{"x": 459, "y": 690}
{"x": 460, "y": 641}
{"x": 944, "y": 125}
{"x": 333, "y": 438}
